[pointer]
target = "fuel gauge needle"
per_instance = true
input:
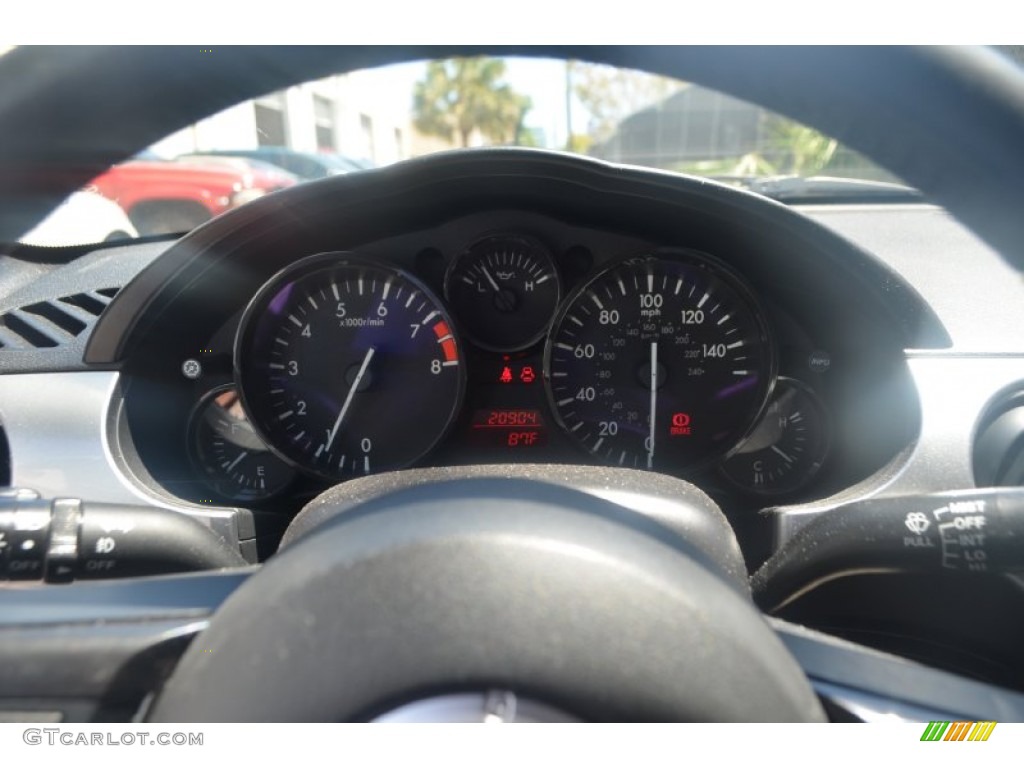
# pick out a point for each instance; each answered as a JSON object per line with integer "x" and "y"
{"x": 348, "y": 398}
{"x": 234, "y": 463}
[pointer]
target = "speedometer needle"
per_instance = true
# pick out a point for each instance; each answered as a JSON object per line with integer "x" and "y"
{"x": 654, "y": 402}
{"x": 348, "y": 398}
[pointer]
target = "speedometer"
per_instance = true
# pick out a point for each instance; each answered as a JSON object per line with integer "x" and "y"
{"x": 348, "y": 366}
{"x": 662, "y": 361}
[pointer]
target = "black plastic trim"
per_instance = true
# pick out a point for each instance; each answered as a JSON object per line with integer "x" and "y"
{"x": 831, "y": 660}
{"x": 383, "y": 202}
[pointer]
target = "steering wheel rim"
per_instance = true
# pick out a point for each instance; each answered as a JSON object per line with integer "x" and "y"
{"x": 490, "y": 583}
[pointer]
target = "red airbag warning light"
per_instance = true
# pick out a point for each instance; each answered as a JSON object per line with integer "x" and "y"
{"x": 680, "y": 424}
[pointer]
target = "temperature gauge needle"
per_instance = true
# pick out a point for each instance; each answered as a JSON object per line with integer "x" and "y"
{"x": 348, "y": 398}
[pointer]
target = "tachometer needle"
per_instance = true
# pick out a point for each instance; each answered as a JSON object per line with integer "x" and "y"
{"x": 348, "y": 398}
{"x": 654, "y": 402}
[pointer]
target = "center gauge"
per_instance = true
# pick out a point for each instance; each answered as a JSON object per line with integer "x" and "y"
{"x": 504, "y": 290}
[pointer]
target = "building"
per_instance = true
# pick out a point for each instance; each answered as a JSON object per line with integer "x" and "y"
{"x": 342, "y": 114}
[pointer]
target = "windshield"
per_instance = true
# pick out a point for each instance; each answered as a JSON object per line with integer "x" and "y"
{"x": 371, "y": 118}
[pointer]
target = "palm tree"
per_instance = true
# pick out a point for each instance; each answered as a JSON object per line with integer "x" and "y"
{"x": 799, "y": 149}
{"x": 458, "y": 97}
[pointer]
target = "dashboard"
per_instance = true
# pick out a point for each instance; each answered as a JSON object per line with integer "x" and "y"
{"x": 138, "y": 407}
{"x": 689, "y": 328}
{"x": 436, "y": 356}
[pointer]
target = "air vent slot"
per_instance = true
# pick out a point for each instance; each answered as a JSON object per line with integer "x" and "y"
{"x": 68, "y": 323}
{"x": 22, "y": 326}
{"x": 47, "y": 324}
{"x": 5, "y": 460}
{"x": 93, "y": 303}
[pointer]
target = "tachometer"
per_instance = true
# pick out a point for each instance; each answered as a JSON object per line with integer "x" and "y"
{"x": 348, "y": 366}
{"x": 662, "y": 361}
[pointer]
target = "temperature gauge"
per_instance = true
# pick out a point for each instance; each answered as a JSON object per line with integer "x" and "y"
{"x": 233, "y": 460}
{"x": 504, "y": 290}
{"x": 788, "y": 446}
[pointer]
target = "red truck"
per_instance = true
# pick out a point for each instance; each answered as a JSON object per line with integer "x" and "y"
{"x": 163, "y": 196}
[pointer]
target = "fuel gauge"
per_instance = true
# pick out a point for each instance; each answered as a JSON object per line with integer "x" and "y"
{"x": 788, "y": 446}
{"x": 504, "y": 290}
{"x": 232, "y": 458}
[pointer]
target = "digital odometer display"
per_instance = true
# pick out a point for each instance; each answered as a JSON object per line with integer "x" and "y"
{"x": 659, "y": 362}
{"x": 348, "y": 366}
{"x": 510, "y": 427}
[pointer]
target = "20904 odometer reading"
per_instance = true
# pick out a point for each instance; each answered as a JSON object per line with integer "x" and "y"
{"x": 661, "y": 362}
{"x": 348, "y": 367}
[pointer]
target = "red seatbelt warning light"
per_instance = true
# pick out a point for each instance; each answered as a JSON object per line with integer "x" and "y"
{"x": 680, "y": 424}
{"x": 506, "y": 375}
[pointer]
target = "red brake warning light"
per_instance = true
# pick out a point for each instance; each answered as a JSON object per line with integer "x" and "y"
{"x": 680, "y": 424}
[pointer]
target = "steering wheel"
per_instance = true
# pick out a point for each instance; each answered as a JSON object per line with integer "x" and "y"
{"x": 541, "y": 597}
{"x": 578, "y": 606}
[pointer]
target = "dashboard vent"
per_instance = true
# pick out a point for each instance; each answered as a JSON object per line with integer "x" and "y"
{"x": 55, "y": 322}
{"x": 5, "y": 460}
{"x": 999, "y": 445}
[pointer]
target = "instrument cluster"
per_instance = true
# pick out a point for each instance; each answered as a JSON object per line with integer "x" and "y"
{"x": 345, "y": 364}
